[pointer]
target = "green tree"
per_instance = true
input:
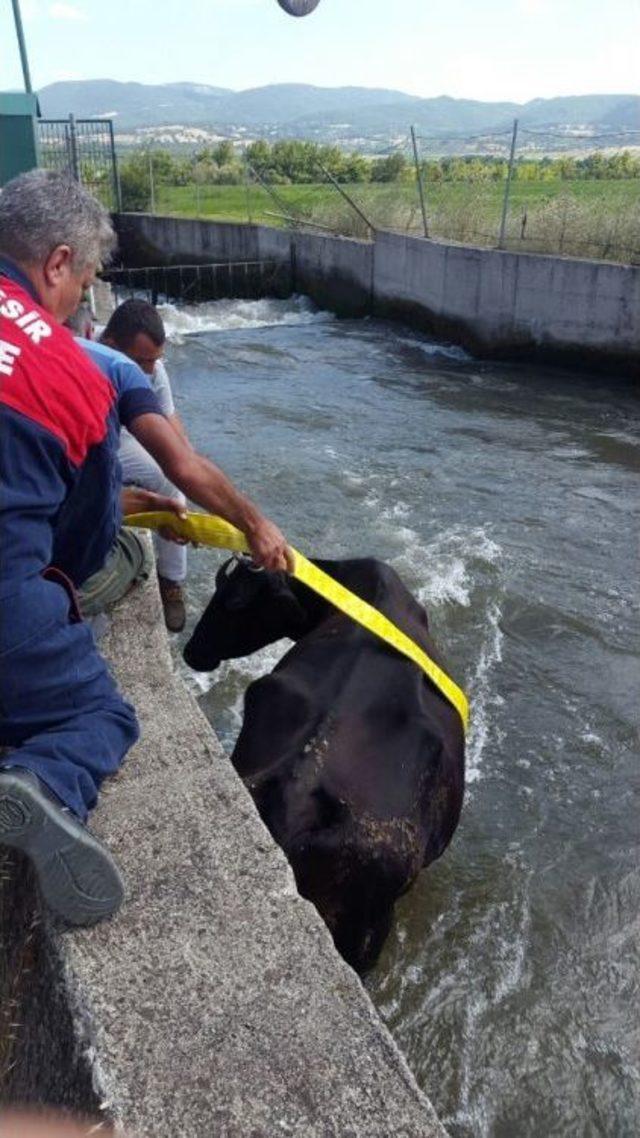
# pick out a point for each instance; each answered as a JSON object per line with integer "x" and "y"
{"x": 258, "y": 154}
{"x": 135, "y": 182}
{"x": 224, "y": 153}
{"x": 355, "y": 168}
{"x": 389, "y": 169}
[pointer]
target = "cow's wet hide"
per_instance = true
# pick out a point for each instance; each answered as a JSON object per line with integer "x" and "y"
{"x": 354, "y": 759}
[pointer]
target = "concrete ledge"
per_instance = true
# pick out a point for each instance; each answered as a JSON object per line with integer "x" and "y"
{"x": 149, "y": 239}
{"x": 214, "y": 1004}
{"x": 559, "y": 310}
{"x": 584, "y": 314}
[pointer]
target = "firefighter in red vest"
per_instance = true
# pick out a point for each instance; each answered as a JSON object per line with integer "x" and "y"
{"x": 62, "y": 718}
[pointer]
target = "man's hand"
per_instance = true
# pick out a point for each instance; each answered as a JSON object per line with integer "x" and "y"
{"x": 268, "y": 546}
{"x": 135, "y": 500}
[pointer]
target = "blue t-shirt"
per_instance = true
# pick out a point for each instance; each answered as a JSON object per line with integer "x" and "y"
{"x": 78, "y": 550}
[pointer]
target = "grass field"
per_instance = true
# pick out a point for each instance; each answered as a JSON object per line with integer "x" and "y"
{"x": 578, "y": 218}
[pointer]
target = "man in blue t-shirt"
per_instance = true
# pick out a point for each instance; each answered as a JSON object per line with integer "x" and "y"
{"x": 136, "y": 328}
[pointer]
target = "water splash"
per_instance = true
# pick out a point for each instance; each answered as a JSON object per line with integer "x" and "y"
{"x": 481, "y": 695}
{"x": 445, "y": 565}
{"x": 499, "y": 951}
{"x": 434, "y": 349}
{"x": 226, "y": 315}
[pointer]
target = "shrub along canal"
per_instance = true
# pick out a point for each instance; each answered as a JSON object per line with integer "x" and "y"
{"x": 503, "y": 495}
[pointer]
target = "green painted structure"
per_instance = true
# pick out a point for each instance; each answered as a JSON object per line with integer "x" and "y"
{"x": 18, "y": 133}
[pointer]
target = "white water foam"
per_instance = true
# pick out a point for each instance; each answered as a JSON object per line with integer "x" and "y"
{"x": 445, "y": 571}
{"x": 481, "y": 697}
{"x": 430, "y": 348}
{"x": 438, "y": 570}
{"x": 498, "y": 951}
{"x": 226, "y": 315}
{"x": 444, "y": 564}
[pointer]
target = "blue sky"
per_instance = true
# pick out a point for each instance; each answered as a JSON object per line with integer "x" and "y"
{"x": 479, "y": 49}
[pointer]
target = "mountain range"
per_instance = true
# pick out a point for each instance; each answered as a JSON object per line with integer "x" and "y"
{"x": 349, "y": 115}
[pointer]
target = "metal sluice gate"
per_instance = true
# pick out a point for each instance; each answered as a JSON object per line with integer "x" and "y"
{"x": 242, "y": 280}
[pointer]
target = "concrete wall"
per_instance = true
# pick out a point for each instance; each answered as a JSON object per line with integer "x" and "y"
{"x": 556, "y": 309}
{"x": 149, "y": 240}
{"x": 507, "y": 304}
{"x": 214, "y": 1004}
{"x": 335, "y": 272}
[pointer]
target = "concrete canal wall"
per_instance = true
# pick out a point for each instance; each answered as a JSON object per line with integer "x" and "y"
{"x": 214, "y": 1005}
{"x": 500, "y": 304}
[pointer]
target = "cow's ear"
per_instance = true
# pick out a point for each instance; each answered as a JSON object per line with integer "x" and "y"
{"x": 225, "y": 571}
{"x": 239, "y": 584}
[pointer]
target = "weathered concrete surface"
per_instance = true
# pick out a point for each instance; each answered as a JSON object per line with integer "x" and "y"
{"x": 581, "y": 313}
{"x": 147, "y": 239}
{"x": 335, "y": 272}
{"x": 214, "y": 1005}
{"x": 104, "y": 301}
{"x": 498, "y": 303}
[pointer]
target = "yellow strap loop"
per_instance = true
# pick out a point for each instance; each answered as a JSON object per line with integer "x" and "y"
{"x": 207, "y": 529}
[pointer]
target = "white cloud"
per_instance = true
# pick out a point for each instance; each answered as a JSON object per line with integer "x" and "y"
{"x": 534, "y": 7}
{"x": 65, "y": 76}
{"x": 30, "y": 10}
{"x": 67, "y": 12}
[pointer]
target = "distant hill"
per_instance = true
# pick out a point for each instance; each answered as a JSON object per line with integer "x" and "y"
{"x": 131, "y": 104}
{"x": 352, "y": 116}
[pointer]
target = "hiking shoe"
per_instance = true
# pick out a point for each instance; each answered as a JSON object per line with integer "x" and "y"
{"x": 172, "y": 596}
{"x": 78, "y": 878}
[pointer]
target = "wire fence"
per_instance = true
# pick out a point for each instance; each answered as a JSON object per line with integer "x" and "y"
{"x": 85, "y": 149}
{"x": 504, "y": 197}
{"x": 529, "y": 208}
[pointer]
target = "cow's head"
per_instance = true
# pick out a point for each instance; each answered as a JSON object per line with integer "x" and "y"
{"x": 249, "y": 609}
{"x": 252, "y": 607}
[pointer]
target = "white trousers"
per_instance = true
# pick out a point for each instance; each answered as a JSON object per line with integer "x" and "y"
{"x": 140, "y": 469}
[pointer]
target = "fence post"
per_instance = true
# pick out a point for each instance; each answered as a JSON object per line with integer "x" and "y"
{"x": 419, "y": 180}
{"x": 152, "y": 189}
{"x": 73, "y": 139}
{"x": 270, "y": 190}
{"x": 507, "y": 188}
{"x": 343, "y": 192}
{"x": 115, "y": 173}
{"x": 247, "y": 191}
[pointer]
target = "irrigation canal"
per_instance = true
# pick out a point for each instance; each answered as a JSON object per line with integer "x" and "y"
{"x": 503, "y": 494}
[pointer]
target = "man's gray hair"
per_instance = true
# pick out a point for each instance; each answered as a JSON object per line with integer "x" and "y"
{"x": 42, "y": 209}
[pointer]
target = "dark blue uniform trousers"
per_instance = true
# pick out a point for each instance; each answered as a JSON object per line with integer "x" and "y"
{"x": 60, "y": 709}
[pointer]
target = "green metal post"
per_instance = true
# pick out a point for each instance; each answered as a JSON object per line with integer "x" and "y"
{"x": 22, "y": 47}
{"x": 507, "y": 188}
{"x": 419, "y": 180}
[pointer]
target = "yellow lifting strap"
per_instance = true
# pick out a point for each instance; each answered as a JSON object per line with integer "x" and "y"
{"x": 207, "y": 529}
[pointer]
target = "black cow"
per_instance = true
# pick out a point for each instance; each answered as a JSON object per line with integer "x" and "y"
{"x": 354, "y": 759}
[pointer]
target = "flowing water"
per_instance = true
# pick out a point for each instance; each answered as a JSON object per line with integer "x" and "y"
{"x": 504, "y": 495}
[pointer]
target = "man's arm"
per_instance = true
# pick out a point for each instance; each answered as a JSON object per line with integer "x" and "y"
{"x": 176, "y": 423}
{"x": 206, "y": 484}
{"x": 140, "y": 412}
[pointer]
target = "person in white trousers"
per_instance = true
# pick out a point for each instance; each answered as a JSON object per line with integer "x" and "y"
{"x": 136, "y": 329}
